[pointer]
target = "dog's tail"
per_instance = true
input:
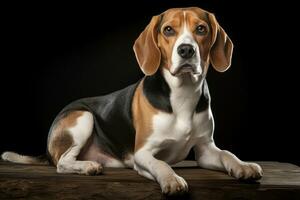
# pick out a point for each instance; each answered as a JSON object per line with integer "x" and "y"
{"x": 22, "y": 159}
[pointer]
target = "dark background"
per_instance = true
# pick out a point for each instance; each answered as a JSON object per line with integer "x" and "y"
{"x": 54, "y": 54}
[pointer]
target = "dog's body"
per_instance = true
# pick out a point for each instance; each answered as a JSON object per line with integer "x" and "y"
{"x": 157, "y": 121}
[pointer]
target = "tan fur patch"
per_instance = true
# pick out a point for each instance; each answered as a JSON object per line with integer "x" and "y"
{"x": 194, "y": 19}
{"x": 143, "y": 113}
{"x": 61, "y": 140}
{"x": 60, "y": 144}
{"x": 166, "y": 44}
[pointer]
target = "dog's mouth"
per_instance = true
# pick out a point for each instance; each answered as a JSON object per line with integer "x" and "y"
{"x": 186, "y": 68}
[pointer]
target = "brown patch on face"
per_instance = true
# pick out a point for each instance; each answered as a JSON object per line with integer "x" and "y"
{"x": 142, "y": 112}
{"x": 61, "y": 140}
{"x": 175, "y": 19}
{"x": 194, "y": 18}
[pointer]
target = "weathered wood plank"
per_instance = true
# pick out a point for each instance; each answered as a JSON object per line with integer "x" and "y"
{"x": 280, "y": 181}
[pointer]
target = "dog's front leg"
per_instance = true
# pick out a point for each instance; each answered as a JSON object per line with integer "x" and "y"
{"x": 211, "y": 157}
{"x": 150, "y": 167}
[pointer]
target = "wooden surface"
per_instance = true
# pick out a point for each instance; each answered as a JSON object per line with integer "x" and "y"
{"x": 280, "y": 181}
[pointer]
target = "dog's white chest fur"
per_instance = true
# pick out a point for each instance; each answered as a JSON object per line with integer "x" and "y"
{"x": 174, "y": 134}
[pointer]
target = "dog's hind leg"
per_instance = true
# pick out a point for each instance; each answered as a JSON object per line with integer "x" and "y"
{"x": 68, "y": 137}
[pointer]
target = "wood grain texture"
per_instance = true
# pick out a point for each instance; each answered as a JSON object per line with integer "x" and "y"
{"x": 280, "y": 181}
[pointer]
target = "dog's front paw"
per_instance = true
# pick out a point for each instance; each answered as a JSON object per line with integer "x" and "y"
{"x": 173, "y": 184}
{"x": 246, "y": 171}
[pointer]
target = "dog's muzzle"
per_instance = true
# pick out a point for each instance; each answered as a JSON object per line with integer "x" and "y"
{"x": 187, "y": 55}
{"x": 186, "y": 68}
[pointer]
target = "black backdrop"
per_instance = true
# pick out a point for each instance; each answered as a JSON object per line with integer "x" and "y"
{"x": 54, "y": 54}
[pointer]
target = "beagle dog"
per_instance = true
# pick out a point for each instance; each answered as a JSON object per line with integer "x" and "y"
{"x": 156, "y": 122}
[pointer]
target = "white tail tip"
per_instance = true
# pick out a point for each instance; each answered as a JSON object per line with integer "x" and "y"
{"x": 17, "y": 158}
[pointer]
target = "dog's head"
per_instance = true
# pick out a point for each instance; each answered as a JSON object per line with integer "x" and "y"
{"x": 183, "y": 40}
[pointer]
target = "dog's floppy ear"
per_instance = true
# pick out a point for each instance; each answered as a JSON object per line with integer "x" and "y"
{"x": 146, "y": 49}
{"x": 221, "y": 50}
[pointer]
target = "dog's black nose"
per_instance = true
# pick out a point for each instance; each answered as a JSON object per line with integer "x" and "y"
{"x": 185, "y": 51}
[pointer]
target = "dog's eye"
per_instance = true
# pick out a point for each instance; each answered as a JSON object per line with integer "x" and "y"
{"x": 201, "y": 30}
{"x": 169, "y": 31}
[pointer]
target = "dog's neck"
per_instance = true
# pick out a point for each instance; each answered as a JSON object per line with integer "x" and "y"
{"x": 175, "y": 94}
{"x": 186, "y": 90}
